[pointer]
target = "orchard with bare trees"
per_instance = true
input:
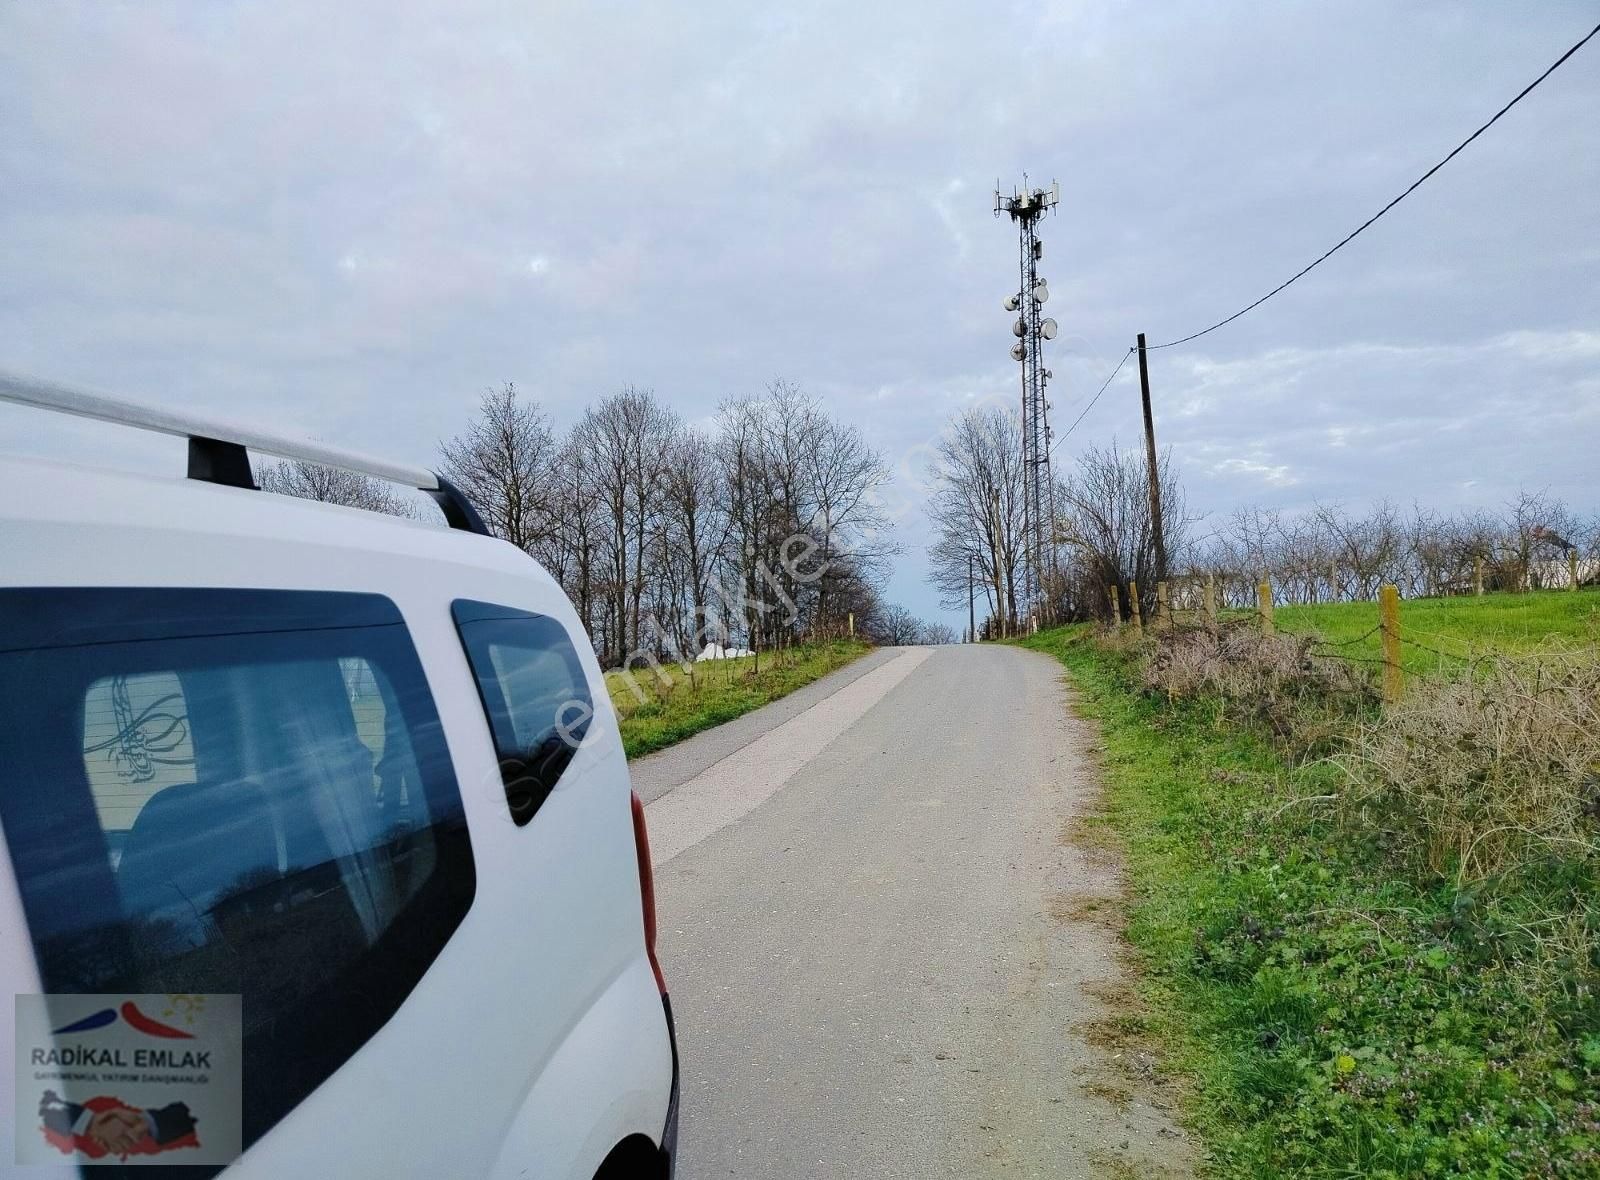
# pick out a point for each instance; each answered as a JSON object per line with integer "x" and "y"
{"x": 1331, "y": 553}
{"x": 1326, "y": 552}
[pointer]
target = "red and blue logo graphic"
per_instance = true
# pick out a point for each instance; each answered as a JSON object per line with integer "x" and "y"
{"x": 135, "y": 1019}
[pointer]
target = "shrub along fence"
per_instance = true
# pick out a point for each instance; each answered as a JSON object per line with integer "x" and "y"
{"x": 1390, "y": 648}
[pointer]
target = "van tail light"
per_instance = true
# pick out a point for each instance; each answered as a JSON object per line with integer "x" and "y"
{"x": 647, "y": 889}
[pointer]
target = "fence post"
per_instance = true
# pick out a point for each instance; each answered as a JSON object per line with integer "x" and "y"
{"x": 1116, "y": 605}
{"x": 852, "y": 617}
{"x": 1211, "y": 603}
{"x": 1163, "y": 607}
{"x": 1477, "y": 576}
{"x": 1133, "y": 606}
{"x": 1572, "y": 566}
{"x": 1264, "y": 604}
{"x": 1389, "y": 620}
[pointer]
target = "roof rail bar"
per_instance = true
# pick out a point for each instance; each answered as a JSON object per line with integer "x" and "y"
{"x": 219, "y": 450}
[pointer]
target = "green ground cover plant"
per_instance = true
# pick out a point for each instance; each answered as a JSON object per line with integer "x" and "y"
{"x": 1350, "y": 989}
{"x": 678, "y": 702}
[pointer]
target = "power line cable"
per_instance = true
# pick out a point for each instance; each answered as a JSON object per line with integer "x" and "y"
{"x": 1414, "y": 186}
{"x": 1092, "y": 400}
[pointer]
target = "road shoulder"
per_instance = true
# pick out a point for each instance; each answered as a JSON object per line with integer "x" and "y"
{"x": 656, "y": 774}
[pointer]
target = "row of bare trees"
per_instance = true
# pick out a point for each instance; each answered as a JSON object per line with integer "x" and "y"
{"x": 764, "y": 529}
{"x": 1102, "y": 529}
{"x": 1103, "y": 536}
{"x": 896, "y": 625}
{"x": 1330, "y": 553}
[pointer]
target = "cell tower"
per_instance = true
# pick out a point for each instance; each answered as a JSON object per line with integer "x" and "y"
{"x": 1032, "y": 329}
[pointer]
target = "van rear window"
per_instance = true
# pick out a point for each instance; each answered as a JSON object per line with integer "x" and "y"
{"x": 231, "y": 791}
{"x": 534, "y": 693}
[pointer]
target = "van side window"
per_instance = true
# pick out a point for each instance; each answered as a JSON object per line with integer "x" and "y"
{"x": 534, "y": 692}
{"x": 232, "y": 791}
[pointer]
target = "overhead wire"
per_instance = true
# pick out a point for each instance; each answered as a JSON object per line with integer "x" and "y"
{"x": 1092, "y": 400}
{"x": 1348, "y": 238}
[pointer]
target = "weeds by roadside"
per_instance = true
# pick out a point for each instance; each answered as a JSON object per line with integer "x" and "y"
{"x": 1490, "y": 775}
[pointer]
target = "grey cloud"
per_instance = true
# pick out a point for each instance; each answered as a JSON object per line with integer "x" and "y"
{"x": 325, "y": 216}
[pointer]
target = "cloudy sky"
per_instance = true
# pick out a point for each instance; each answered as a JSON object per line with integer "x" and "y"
{"x": 349, "y": 220}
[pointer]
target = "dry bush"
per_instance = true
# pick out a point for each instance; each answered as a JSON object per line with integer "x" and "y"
{"x": 1278, "y": 679}
{"x": 1490, "y": 773}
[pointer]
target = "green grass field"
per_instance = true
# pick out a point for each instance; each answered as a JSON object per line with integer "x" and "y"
{"x": 1333, "y": 1011}
{"x": 677, "y": 704}
{"x": 1460, "y": 628}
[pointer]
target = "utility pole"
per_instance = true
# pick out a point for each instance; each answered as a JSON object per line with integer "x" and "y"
{"x": 972, "y": 610}
{"x": 1155, "y": 467}
{"x": 1032, "y": 328}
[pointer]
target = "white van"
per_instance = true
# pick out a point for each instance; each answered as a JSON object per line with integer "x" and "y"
{"x": 361, "y": 772}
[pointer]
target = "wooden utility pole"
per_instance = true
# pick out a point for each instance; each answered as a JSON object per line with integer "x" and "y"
{"x": 972, "y": 616}
{"x": 1155, "y": 467}
{"x": 1002, "y": 612}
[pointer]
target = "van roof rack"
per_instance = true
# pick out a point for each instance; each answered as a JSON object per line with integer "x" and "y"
{"x": 219, "y": 451}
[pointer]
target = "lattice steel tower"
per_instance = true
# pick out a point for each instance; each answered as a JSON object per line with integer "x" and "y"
{"x": 1032, "y": 328}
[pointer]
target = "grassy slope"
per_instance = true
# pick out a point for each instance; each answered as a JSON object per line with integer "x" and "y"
{"x": 1337, "y": 1018}
{"x": 677, "y": 705}
{"x": 1458, "y": 627}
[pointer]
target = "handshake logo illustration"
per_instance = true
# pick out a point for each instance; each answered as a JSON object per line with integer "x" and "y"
{"x": 107, "y": 1126}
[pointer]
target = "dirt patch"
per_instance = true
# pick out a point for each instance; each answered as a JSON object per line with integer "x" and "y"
{"x": 1104, "y": 911}
{"x": 1118, "y": 1096}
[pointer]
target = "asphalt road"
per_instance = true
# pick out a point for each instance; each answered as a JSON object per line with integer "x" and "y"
{"x": 889, "y": 951}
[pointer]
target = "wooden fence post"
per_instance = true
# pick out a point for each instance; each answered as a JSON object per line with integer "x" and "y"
{"x": 1264, "y": 604}
{"x": 1572, "y": 566}
{"x": 1211, "y": 602}
{"x": 1163, "y": 620}
{"x": 1477, "y": 576}
{"x": 852, "y": 617}
{"x": 1133, "y": 606}
{"x": 1116, "y": 605}
{"x": 1389, "y": 620}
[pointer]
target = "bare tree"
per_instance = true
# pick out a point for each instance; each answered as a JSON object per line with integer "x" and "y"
{"x": 502, "y": 462}
{"x": 694, "y": 531}
{"x": 1104, "y": 509}
{"x": 332, "y": 485}
{"x": 807, "y": 541}
{"x": 844, "y": 474}
{"x": 976, "y": 513}
{"x": 623, "y": 442}
{"x": 898, "y": 627}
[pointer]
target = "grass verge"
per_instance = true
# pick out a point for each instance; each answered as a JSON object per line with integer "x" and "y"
{"x": 656, "y": 708}
{"x": 1340, "y": 1010}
